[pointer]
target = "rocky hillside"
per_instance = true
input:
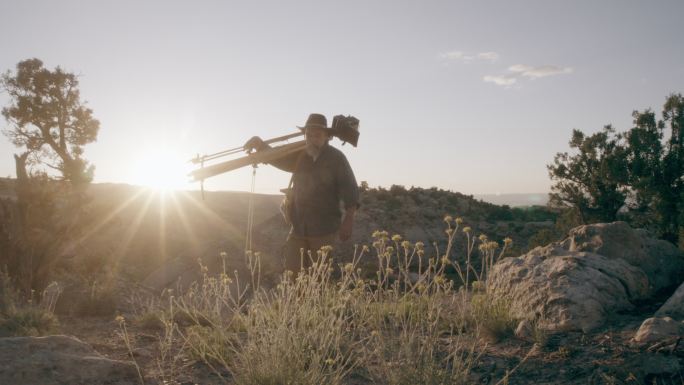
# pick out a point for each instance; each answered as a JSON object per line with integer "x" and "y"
{"x": 417, "y": 214}
{"x": 143, "y": 228}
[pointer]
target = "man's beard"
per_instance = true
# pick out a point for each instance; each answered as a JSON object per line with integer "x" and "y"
{"x": 313, "y": 150}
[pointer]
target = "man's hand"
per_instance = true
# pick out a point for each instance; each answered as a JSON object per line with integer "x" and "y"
{"x": 254, "y": 143}
{"x": 347, "y": 225}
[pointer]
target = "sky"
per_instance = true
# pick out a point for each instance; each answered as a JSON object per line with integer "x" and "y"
{"x": 469, "y": 96}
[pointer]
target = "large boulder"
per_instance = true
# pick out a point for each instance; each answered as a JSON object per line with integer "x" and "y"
{"x": 597, "y": 270}
{"x": 674, "y": 306}
{"x": 662, "y": 262}
{"x": 59, "y": 360}
{"x": 567, "y": 290}
{"x": 658, "y": 329}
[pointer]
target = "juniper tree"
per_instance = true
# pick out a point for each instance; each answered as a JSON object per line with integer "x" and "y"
{"x": 641, "y": 170}
{"x": 49, "y": 122}
{"x": 591, "y": 181}
{"x": 48, "y": 119}
{"x": 656, "y": 168}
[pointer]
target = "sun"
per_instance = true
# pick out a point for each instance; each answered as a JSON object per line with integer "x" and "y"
{"x": 162, "y": 169}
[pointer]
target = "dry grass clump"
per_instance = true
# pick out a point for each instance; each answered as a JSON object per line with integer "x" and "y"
{"x": 417, "y": 320}
{"x": 100, "y": 300}
{"x": 492, "y": 315}
{"x": 32, "y": 317}
{"x": 28, "y": 321}
{"x": 150, "y": 321}
{"x": 304, "y": 332}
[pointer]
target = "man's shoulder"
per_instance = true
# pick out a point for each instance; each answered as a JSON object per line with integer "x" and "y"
{"x": 335, "y": 153}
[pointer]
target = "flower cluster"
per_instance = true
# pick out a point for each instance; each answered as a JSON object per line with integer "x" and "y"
{"x": 488, "y": 246}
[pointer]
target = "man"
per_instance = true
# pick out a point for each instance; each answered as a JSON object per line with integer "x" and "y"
{"x": 321, "y": 180}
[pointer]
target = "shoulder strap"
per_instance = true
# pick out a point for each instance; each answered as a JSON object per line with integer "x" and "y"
{"x": 297, "y": 163}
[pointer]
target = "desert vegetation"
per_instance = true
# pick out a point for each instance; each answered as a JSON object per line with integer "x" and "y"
{"x": 418, "y": 316}
{"x": 412, "y": 299}
{"x": 634, "y": 175}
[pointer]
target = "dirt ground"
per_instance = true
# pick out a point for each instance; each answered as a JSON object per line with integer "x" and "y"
{"x": 601, "y": 357}
{"x": 105, "y": 335}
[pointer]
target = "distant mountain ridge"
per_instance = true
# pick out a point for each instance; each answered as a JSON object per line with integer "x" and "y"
{"x": 515, "y": 200}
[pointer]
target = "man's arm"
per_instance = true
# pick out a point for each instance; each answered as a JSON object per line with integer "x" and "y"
{"x": 347, "y": 225}
{"x": 349, "y": 194}
{"x": 287, "y": 163}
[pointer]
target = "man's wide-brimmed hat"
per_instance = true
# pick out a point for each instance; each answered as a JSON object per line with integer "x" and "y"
{"x": 316, "y": 121}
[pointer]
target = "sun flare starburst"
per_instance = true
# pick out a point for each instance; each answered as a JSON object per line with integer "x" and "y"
{"x": 161, "y": 169}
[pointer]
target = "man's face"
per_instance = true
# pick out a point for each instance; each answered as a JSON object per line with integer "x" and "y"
{"x": 316, "y": 138}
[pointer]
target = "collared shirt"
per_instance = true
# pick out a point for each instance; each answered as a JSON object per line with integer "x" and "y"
{"x": 319, "y": 186}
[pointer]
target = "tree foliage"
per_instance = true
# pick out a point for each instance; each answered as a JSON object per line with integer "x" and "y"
{"x": 592, "y": 180}
{"x": 49, "y": 122}
{"x": 637, "y": 175}
{"x": 656, "y": 164}
{"x": 48, "y": 119}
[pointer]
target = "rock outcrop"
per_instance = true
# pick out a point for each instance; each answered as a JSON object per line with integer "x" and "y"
{"x": 662, "y": 262}
{"x": 658, "y": 329}
{"x": 674, "y": 306}
{"x": 59, "y": 360}
{"x": 567, "y": 290}
{"x": 598, "y": 270}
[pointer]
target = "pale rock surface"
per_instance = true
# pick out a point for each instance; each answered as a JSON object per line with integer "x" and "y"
{"x": 597, "y": 270}
{"x": 658, "y": 329}
{"x": 674, "y": 306}
{"x": 524, "y": 330}
{"x": 59, "y": 360}
{"x": 567, "y": 290}
{"x": 142, "y": 353}
{"x": 662, "y": 262}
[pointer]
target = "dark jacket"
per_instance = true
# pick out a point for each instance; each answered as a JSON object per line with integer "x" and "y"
{"x": 318, "y": 189}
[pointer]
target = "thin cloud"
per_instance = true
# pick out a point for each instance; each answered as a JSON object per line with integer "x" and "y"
{"x": 453, "y": 55}
{"x": 467, "y": 57}
{"x": 539, "y": 72}
{"x": 501, "y": 80}
{"x": 491, "y": 56}
{"x": 520, "y": 71}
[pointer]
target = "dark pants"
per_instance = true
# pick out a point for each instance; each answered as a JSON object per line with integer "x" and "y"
{"x": 295, "y": 259}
